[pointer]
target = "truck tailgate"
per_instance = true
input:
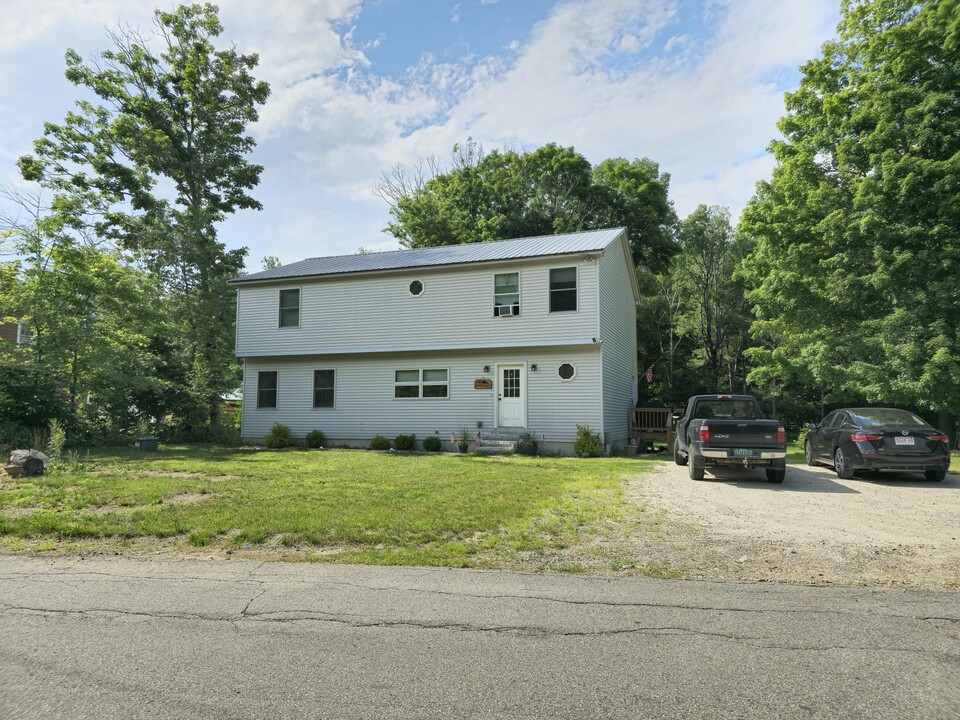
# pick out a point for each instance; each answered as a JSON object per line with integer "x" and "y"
{"x": 741, "y": 434}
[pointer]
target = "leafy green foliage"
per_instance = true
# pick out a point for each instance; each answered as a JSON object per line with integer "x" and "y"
{"x": 587, "y": 443}
{"x": 379, "y": 442}
{"x": 278, "y": 437}
{"x": 29, "y": 397}
{"x": 501, "y": 195}
{"x": 405, "y": 442}
{"x": 153, "y": 170}
{"x": 857, "y": 234}
{"x": 431, "y": 443}
{"x": 693, "y": 322}
{"x": 314, "y": 439}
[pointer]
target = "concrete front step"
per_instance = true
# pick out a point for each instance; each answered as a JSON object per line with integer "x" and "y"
{"x": 496, "y": 447}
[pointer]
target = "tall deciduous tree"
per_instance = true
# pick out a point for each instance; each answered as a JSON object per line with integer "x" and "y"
{"x": 94, "y": 317}
{"x": 501, "y": 195}
{"x": 157, "y": 166}
{"x": 858, "y": 232}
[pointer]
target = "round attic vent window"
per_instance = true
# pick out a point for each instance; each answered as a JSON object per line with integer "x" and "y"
{"x": 416, "y": 288}
{"x": 566, "y": 371}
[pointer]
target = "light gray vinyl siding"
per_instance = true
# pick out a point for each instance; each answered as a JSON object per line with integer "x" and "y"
{"x": 618, "y": 330}
{"x": 365, "y": 406}
{"x": 376, "y": 311}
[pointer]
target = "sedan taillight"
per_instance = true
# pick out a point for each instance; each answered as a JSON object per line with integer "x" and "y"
{"x": 939, "y": 438}
{"x": 863, "y": 437}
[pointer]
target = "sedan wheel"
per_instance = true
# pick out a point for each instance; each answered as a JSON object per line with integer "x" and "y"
{"x": 844, "y": 472}
{"x": 808, "y": 454}
{"x": 935, "y": 475}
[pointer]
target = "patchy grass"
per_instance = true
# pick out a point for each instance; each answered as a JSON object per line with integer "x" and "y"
{"x": 794, "y": 453}
{"x": 336, "y": 505}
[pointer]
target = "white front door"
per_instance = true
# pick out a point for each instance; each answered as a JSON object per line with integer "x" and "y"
{"x": 511, "y": 396}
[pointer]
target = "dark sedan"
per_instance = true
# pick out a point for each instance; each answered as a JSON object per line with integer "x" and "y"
{"x": 853, "y": 439}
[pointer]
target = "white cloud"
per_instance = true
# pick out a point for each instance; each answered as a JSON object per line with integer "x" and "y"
{"x": 626, "y": 78}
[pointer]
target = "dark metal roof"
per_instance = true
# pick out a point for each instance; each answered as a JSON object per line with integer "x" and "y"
{"x": 542, "y": 246}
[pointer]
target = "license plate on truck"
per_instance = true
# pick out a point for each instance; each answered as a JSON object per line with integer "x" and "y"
{"x": 741, "y": 452}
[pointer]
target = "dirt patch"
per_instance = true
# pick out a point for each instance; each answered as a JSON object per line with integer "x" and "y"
{"x": 188, "y": 498}
{"x": 872, "y": 530}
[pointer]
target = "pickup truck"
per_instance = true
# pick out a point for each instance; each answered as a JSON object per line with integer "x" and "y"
{"x": 729, "y": 430}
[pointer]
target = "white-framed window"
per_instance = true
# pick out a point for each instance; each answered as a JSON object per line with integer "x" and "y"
{"x": 424, "y": 383}
{"x": 267, "y": 389}
{"x": 566, "y": 371}
{"x": 506, "y": 294}
{"x": 24, "y": 334}
{"x": 416, "y": 288}
{"x": 324, "y": 385}
{"x": 290, "y": 308}
{"x": 563, "y": 289}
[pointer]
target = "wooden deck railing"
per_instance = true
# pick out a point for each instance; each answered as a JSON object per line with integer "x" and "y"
{"x": 652, "y": 424}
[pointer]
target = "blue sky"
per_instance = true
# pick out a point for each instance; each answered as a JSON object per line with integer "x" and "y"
{"x": 360, "y": 86}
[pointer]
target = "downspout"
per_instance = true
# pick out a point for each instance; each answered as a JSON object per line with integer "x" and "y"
{"x": 599, "y": 337}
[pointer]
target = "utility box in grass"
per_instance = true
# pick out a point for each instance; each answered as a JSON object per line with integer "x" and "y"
{"x": 147, "y": 443}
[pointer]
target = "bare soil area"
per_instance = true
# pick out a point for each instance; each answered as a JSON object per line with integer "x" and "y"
{"x": 883, "y": 529}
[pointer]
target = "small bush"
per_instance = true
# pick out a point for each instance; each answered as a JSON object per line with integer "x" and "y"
{"x": 379, "y": 442}
{"x": 278, "y": 437}
{"x": 431, "y": 443}
{"x": 314, "y": 439}
{"x": 587, "y": 443}
{"x": 405, "y": 442}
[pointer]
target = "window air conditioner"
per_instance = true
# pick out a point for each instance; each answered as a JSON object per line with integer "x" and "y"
{"x": 504, "y": 310}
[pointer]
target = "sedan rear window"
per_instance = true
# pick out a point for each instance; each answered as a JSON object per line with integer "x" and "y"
{"x": 881, "y": 417}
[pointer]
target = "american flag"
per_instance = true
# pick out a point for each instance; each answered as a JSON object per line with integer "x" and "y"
{"x": 649, "y": 374}
{"x": 478, "y": 440}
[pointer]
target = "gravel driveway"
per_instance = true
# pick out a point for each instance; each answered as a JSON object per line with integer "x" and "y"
{"x": 876, "y": 530}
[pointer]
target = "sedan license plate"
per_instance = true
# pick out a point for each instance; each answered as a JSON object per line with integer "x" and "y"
{"x": 741, "y": 452}
{"x": 899, "y": 440}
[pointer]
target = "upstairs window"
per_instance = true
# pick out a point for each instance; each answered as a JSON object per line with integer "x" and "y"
{"x": 423, "y": 383}
{"x": 24, "y": 334}
{"x": 290, "y": 308}
{"x": 323, "y": 384}
{"x": 506, "y": 294}
{"x": 267, "y": 389}
{"x": 563, "y": 289}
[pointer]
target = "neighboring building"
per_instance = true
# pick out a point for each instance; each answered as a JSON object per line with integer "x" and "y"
{"x": 15, "y": 334}
{"x": 529, "y": 335}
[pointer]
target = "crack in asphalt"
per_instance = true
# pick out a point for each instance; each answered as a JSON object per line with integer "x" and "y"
{"x": 284, "y": 618}
{"x": 263, "y": 584}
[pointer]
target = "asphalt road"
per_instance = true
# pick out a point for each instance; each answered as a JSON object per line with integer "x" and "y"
{"x": 156, "y": 638}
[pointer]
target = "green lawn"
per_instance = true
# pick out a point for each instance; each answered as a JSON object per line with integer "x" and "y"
{"x": 340, "y": 505}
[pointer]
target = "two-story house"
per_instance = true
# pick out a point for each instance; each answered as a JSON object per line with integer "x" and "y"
{"x": 528, "y": 335}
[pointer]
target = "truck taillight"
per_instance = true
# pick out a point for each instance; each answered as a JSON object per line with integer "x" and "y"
{"x": 704, "y": 433}
{"x": 781, "y": 436}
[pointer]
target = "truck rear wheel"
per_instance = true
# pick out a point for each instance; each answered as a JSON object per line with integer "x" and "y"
{"x": 696, "y": 467}
{"x": 678, "y": 458}
{"x": 776, "y": 473}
